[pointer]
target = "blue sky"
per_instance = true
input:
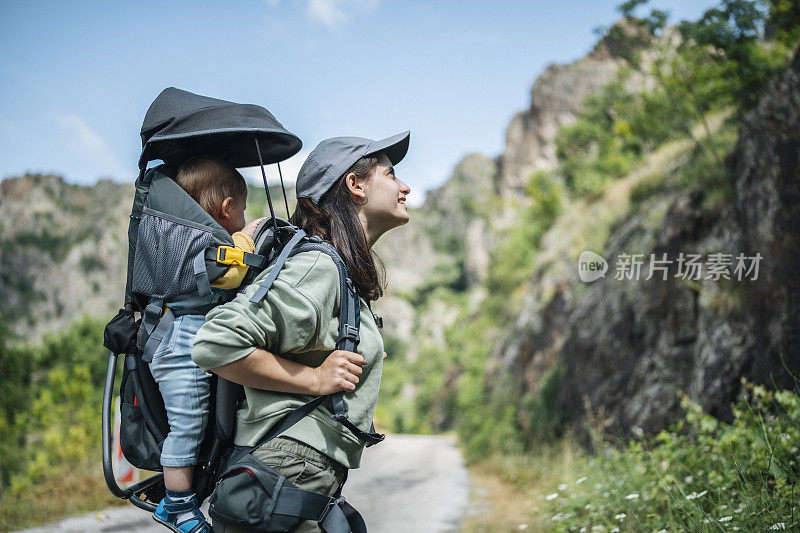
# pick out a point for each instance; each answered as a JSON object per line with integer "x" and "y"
{"x": 77, "y": 77}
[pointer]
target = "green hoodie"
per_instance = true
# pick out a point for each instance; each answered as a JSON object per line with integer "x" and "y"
{"x": 298, "y": 320}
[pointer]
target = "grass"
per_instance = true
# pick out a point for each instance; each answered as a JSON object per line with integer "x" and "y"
{"x": 509, "y": 491}
{"x": 80, "y": 491}
{"x": 698, "y": 475}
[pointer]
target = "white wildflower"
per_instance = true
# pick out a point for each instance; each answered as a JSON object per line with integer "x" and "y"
{"x": 581, "y": 480}
{"x": 582, "y": 530}
{"x": 688, "y": 479}
{"x": 695, "y": 495}
{"x": 588, "y": 506}
{"x": 559, "y": 516}
{"x": 615, "y": 530}
{"x": 522, "y": 527}
{"x": 738, "y": 509}
{"x": 620, "y": 516}
{"x": 631, "y": 496}
{"x": 726, "y": 518}
{"x": 598, "y": 486}
{"x": 661, "y": 531}
{"x": 664, "y": 465}
{"x": 779, "y": 525}
{"x": 551, "y": 497}
{"x": 563, "y": 486}
{"x": 597, "y": 528}
{"x": 723, "y": 507}
{"x": 605, "y": 495}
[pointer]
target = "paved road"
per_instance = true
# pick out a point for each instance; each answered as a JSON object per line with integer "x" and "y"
{"x": 409, "y": 483}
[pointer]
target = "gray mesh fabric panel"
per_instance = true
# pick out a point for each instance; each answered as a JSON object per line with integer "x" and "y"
{"x": 165, "y": 249}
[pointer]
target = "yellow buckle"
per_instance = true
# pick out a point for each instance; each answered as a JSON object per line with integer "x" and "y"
{"x": 228, "y": 255}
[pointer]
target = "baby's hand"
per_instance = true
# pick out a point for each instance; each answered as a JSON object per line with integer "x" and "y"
{"x": 250, "y": 229}
{"x": 338, "y": 372}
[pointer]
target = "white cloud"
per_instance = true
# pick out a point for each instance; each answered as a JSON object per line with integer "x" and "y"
{"x": 334, "y": 13}
{"x": 88, "y": 145}
{"x": 289, "y": 168}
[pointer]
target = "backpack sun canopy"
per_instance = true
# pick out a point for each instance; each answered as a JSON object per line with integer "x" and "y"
{"x": 180, "y": 125}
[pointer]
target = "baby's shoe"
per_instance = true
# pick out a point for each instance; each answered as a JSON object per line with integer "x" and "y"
{"x": 179, "y": 512}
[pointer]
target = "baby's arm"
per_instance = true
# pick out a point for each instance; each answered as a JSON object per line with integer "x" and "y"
{"x": 243, "y": 240}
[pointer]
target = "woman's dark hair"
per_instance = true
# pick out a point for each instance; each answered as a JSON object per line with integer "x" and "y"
{"x": 335, "y": 220}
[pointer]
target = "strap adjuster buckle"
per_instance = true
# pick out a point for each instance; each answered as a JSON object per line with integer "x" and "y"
{"x": 351, "y": 333}
{"x": 350, "y": 285}
{"x": 333, "y": 502}
{"x": 153, "y": 311}
{"x": 228, "y": 255}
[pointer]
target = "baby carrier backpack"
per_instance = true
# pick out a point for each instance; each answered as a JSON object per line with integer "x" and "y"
{"x": 176, "y": 249}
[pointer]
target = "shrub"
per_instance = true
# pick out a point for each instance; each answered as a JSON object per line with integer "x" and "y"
{"x": 700, "y": 474}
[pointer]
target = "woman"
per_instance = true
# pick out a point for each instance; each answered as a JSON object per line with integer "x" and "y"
{"x": 349, "y": 196}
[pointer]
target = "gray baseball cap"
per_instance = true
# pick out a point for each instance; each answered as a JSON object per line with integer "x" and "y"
{"x": 332, "y": 157}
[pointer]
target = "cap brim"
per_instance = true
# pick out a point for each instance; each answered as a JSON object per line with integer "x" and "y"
{"x": 395, "y": 147}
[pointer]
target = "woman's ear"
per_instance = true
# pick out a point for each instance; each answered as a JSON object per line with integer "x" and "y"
{"x": 226, "y": 208}
{"x": 355, "y": 186}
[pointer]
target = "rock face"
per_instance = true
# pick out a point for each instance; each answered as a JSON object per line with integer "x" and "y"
{"x": 458, "y": 214}
{"x": 63, "y": 251}
{"x": 556, "y": 98}
{"x": 627, "y": 348}
{"x": 768, "y": 208}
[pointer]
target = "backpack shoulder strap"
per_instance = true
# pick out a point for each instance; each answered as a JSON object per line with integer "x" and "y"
{"x": 349, "y": 323}
{"x": 277, "y": 266}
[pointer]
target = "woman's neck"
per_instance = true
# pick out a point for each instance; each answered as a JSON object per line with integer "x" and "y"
{"x": 370, "y": 231}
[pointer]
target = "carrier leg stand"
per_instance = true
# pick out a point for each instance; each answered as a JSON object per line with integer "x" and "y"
{"x": 134, "y": 492}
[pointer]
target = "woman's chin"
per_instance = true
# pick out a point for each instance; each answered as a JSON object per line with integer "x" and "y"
{"x": 403, "y": 216}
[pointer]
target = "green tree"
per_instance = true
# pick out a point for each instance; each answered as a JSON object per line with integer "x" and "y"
{"x": 16, "y": 367}
{"x": 721, "y": 59}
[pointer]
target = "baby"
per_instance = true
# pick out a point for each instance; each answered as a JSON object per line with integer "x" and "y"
{"x": 222, "y": 192}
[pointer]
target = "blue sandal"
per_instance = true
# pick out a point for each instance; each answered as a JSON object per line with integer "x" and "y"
{"x": 167, "y": 514}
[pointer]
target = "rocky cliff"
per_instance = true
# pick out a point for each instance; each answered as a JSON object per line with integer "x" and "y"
{"x": 63, "y": 250}
{"x": 557, "y": 96}
{"x": 628, "y": 347}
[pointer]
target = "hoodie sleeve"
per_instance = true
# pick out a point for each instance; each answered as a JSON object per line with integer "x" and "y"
{"x": 297, "y": 308}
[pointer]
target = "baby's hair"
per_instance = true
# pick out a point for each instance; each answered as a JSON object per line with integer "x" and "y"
{"x": 209, "y": 182}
